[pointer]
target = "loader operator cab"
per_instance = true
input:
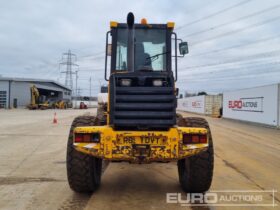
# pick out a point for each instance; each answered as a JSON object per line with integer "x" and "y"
{"x": 154, "y": 45}
{"x": 142, "y": 93}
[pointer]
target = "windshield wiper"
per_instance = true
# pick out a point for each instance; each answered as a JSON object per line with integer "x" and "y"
{"x": 155, "y": 57}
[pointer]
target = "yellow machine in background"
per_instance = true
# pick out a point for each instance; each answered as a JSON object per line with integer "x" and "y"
{"x": 60, "y": 105}
{"x": 34, "y": 104}
{"x": 34, "y": 97}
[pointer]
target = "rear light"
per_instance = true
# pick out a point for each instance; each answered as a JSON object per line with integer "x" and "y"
{"x": 87, "y": 137}
{"x": 203, "y": 139}
{"x": 79, "y": 137}
{"x": 194, "y": 139}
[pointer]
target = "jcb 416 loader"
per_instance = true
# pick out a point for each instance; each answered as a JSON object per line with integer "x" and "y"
{"x": 138, "y": 123}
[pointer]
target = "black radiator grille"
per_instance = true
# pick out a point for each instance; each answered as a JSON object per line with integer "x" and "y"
{"x": 143, "y": 107}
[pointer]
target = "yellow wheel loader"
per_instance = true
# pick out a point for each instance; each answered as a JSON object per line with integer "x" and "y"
{"x": 138, "y": 121}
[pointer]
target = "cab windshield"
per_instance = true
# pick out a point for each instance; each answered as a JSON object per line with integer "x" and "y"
{"x": 150, "y": 50}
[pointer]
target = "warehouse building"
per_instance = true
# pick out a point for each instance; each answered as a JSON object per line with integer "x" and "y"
{"x": 15, "y": 92}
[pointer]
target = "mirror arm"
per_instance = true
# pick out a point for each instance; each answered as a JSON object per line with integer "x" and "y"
{"x": 180, "y": 40}
{"x": 178, "y": 56}
{"x": 106, "y": 55}
{"x": 176, "y": 73}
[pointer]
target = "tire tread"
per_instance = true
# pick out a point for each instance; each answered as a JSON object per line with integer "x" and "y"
{"x": 80, "y": 167}
{"x": 196, "y": 172}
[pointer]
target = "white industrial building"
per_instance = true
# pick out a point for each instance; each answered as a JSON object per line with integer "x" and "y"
{"x": 15, "y": 92}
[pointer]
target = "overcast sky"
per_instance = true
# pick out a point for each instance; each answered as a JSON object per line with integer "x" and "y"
{"x": 233, "y": 44}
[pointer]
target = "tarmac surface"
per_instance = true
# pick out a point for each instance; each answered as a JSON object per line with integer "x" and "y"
{"x": 33, "y": 167}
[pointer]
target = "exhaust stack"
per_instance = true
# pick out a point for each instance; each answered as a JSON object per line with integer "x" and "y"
{"x": 130, "y": 42}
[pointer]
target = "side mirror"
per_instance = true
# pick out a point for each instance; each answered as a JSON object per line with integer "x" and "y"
{"x": 183, "y": 48}
{"x": 109, "y": 49}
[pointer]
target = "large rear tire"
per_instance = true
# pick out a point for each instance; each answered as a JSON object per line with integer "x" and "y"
{"x": 196, "y": 172}
{"x": 83, "y": 171}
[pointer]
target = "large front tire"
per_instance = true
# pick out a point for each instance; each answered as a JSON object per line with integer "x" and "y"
{"x": 196, "y": 172}
{"x": 83, "y": 171}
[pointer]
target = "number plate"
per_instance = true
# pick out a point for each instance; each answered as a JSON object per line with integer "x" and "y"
{"x": 144, "y": 139}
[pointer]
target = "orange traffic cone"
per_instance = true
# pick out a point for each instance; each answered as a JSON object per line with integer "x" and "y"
{"x": 54, "y": 119}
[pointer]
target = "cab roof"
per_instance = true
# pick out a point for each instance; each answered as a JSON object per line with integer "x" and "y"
{"x": 169, "y": 25}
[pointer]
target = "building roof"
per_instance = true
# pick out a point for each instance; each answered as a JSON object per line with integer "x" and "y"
{"x": 33, "y": 80}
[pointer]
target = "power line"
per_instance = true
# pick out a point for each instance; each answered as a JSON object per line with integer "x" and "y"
{"x": 234, "y": 21}
{"x": 96, "y": 54}
{"x": 93, "y": 55}
{"x": 236, "y": 60}
{"x": 92, "y": 69}
{"x": 233, "y": 70}
{"x": 94, "y": 58}
{"x": 226, "y": 79}
{"x": 243, "y": 66}
{"x": 83, "y": 48}
{"x": 214, "y": 14}
{"x": 237, "y": 46}
{"x": 229, "y": 33}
